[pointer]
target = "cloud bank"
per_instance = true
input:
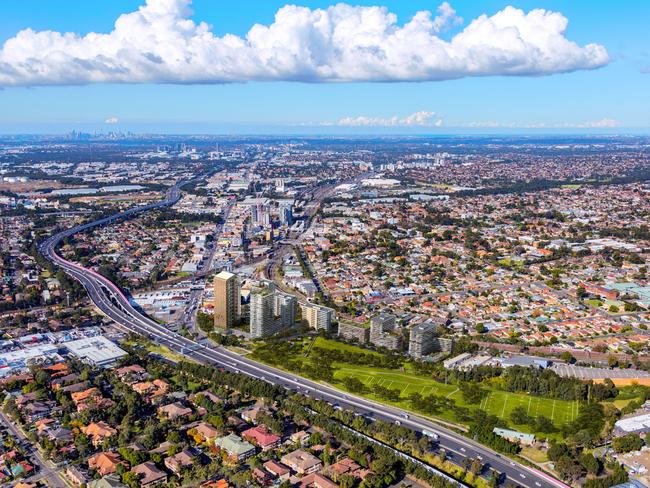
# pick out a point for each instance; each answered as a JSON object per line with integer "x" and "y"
{"x": 159, "y": 43}
{"x": 604, "y": 123}
{"x": 417, "y": 119}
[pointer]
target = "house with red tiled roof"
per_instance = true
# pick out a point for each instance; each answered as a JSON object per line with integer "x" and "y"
{"x": 98, "y": 432}
{"x": 149, "y": 474}
{"x": 277, "y": 470}
{"x": 174, "y": 411}
{"x": 262, "y": 437}
{"x": 317, "y": 480}
{"x": 105, "y": 462}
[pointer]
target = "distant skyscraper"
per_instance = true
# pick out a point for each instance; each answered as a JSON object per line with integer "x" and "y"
{"x": 227, "y": 300}
{"x": 256, "y": 214}
{"x": 260, "y": 214}
{"x": 266, "y": 216}
{"x": 286, "y": 213}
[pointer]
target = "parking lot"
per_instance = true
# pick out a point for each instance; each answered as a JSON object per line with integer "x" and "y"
{"x": 583, "y": 373}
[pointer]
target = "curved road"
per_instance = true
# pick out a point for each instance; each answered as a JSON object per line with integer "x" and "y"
{"x": 112, "y": 302}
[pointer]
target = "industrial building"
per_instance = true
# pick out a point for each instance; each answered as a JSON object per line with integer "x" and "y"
{"x": 452, "y": 362}
{"x": 526, "y": 362}
{"x": 633, "y": 425}
{"x": 466, "y": 361}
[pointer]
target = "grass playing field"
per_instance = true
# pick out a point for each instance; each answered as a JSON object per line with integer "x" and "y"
{"x": 496, "y": 402}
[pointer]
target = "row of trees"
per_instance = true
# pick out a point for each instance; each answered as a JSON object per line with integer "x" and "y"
{"x": 387, "y": 361}
{"x": 546, "y": 383}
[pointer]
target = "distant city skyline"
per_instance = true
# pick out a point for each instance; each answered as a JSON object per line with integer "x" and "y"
{"x": 365, "y": 67}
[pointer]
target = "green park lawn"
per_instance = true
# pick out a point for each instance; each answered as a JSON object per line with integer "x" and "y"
{"x": 496, "y": 402}
{"x": 340, "y": 346}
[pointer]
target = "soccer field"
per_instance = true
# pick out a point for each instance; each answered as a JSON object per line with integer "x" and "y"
{"x": 496, "y": 402}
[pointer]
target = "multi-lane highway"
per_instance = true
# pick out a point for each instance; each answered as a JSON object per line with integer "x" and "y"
{"x": 112, "y": 302}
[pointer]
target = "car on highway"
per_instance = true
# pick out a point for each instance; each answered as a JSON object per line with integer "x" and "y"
{"x": 430, "y": 434}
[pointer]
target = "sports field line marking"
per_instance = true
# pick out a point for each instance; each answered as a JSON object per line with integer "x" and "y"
{"x": 530, "y": 398}
{"x": 505, "y": 402}
{"x": 537, "y": 408}
{"x": 452, "y": 392}
{"x": 487, "y": 400}
{"x": 422, "y": 390}
{"x": 488, "y": 397}
{"x": 553, "y": 411}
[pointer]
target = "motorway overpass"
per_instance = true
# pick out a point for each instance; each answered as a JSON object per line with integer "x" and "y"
{"x": 111, "y": 301}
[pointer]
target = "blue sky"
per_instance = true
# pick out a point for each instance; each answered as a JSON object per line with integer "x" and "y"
{"x": 577, "y": 101}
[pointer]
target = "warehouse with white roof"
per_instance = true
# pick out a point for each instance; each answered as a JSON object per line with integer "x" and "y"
{"x": 98, "y": 351}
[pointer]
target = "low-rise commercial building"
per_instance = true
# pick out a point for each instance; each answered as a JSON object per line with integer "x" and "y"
{"x": 98, "y": 351}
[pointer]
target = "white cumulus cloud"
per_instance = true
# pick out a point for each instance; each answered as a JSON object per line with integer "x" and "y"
{"x": 605, "y": 123}
{"x": 112, "y": 120}
{"x": 160, "y": 43}
{"x": 421, "y": 119}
